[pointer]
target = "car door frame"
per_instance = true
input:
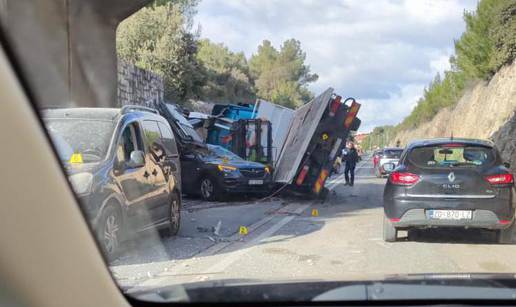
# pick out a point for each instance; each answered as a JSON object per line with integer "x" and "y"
{"x": 172, "y": 163}
{"x": 159, "y": 200}
{"x": 192, "y": 165}
{"x": 135, "y": 207}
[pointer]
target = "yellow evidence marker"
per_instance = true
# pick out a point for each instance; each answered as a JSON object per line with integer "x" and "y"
{"x": 243, "y": 230}
{"x": 76, "y": 158}
{"x": 315, "y": 212}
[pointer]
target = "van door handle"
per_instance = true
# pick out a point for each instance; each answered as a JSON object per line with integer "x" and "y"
{"x": 155, "y": 172}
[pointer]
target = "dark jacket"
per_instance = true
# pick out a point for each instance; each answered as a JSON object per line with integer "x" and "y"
{"x": 352, "y": 157}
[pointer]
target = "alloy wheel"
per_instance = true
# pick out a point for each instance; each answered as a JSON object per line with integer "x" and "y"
{"x": 110, "y": 236}
{"x": 175, "y": 215}
{"x": 206, "y": 188}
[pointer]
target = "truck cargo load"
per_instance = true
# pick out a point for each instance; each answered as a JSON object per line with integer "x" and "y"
{"x": 251, "y": 139}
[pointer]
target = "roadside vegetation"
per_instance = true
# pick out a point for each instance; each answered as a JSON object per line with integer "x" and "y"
{"x": 488, "y": 43}
{"x": 161, "y": 38}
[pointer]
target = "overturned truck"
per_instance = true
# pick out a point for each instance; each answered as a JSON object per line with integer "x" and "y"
{"x": 317, "y": 134}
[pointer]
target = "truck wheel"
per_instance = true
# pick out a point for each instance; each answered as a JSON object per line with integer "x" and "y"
{"x": 506, "y": 236}
{"x": 209, "y": 189}
{"x": 390, "y": 233}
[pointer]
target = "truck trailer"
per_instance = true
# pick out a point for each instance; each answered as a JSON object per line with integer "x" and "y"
{"x": 316, "y": 136}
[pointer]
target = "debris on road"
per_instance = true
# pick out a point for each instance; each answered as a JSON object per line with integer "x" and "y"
{"x": 217, "y": 228}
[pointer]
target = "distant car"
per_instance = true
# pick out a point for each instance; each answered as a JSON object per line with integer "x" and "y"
{"x": 450, "y": 183}
{"x": 124, "y": 166}
{"x": 214, "y": 171}
{"x": 385, "y": 158}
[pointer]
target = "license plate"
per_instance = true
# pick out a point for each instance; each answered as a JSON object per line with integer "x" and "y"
{"x": 449, "y": 214}
{"x": 255, "y": 182}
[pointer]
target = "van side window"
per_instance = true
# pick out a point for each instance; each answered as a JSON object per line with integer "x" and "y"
{"x": 129, "y": 142}
{"x": 168, "y": 139}
{"x": 153, "y": 143}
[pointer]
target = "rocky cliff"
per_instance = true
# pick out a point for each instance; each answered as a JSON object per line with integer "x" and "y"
{"x": 505, "y": 140}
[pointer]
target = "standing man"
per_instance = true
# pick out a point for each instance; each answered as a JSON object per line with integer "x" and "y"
{"x": 351, "y": 163}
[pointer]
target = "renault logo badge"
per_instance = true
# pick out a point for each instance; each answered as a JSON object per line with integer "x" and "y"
{"x": 451, "y": 177}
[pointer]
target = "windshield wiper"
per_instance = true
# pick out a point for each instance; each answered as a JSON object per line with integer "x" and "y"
{"x": 416, "y": 291}
{"x": 240, "y": 290}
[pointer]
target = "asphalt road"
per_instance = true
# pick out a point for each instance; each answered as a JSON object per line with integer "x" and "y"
{"x": 285, "y": 241}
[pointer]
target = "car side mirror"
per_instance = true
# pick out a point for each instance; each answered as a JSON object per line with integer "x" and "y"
{"x": 137, "y": 159}
{"x": 507, "y": 164}
{"x": 389, "y": 166}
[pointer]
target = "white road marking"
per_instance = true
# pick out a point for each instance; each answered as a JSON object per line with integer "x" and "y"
{"x": 242, "y": 251}
{"x": 233, "y": 257}
{"x": 341, "y": 178}
{"x": 336, "y": 182}
{"x": 216, "y": 248}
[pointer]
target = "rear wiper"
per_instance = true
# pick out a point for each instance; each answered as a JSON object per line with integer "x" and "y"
{"x": 462, "y": 163}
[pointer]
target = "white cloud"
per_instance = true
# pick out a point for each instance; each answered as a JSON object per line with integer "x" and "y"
{"x": 441, "y": 63}
{"x": 376, "y": 112}
{"x": 381, "y": 52}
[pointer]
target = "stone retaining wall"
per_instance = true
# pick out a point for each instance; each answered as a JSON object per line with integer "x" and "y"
{"x": 138, "y": 86}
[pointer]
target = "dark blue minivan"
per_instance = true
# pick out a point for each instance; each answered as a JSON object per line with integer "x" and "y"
{"x": 124, "y": 166}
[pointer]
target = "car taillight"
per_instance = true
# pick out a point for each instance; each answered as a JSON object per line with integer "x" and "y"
{"x": 500, "y": 179}
{"x": 400, "y": 178}
{"x": 352, "y": 113}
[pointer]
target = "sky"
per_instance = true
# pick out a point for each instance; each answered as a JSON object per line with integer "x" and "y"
{"x": 381, "y": 52}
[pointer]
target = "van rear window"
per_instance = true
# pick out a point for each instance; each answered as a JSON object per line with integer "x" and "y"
{"x": 451, "y": 156}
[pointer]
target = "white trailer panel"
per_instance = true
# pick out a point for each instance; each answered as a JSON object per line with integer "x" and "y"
{"x": 280, "y": 118}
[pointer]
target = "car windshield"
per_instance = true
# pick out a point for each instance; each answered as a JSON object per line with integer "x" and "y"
{"x": 281, "y": 150}
{"x": 222, "y": 153}
{"x": 392, "y": 153}
{"x": 457, "y": 156}
{"x": 85, "y": 138}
